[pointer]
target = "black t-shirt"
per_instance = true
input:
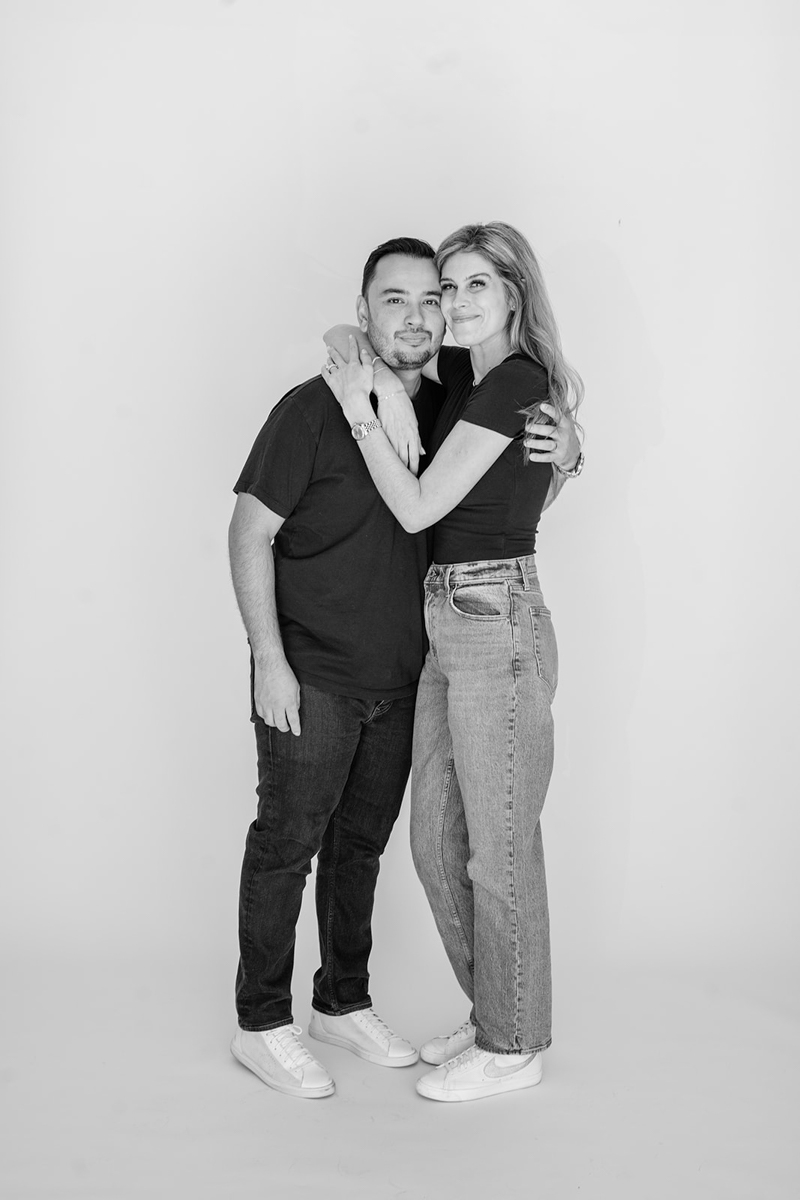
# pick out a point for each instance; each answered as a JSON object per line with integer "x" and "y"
{"x": 348, "y": 578}
{"x": 499, "y": 516}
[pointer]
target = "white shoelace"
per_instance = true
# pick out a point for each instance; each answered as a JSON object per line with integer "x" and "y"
{"x": 466, "y": 1058}
{"x": 368, "y": 1019}
{"x": 460, "y": 1033}
{"x": 285, "y": 1044}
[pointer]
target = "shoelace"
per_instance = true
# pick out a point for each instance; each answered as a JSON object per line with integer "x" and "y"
{"x": 369, "y": 1020}
{"x": 288, "y": 1048}
{"x": 461, "y": 1032}
{"x": 465, "y": 1059}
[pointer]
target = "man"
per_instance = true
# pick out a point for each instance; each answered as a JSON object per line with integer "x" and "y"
{"x": 336, "y": 632}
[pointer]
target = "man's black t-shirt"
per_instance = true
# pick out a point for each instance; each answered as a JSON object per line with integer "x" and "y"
{"x": 498, "y": 518}
{"x": 348, "y": 578}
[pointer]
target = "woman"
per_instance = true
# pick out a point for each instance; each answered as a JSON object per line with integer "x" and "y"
{"x": 483, "y": 736}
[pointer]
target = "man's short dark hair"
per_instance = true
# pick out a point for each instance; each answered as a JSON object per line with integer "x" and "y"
{"x": 412, "y": 247}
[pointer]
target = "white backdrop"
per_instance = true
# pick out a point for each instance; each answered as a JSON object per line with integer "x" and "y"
{"x": 190, "y": 190}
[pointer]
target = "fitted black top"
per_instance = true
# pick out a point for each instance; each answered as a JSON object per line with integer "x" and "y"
{"x": 498, "y": 518}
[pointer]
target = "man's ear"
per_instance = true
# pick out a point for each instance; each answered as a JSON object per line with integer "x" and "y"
{"x": 362, "y": 313}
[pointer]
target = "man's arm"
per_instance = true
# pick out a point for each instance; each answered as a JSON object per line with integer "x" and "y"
{"x": 276, "y": 690}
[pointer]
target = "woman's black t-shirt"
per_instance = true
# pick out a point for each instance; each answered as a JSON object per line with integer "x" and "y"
{"x": 499, "y": 516}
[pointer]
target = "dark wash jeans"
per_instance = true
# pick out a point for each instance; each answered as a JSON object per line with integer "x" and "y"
{"x": 334, "y": 791}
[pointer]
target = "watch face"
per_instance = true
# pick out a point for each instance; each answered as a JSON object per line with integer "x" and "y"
{"x": 358, "y": 432}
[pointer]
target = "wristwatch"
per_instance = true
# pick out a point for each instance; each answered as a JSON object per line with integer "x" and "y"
{"x": 363, "y": 429}
{"x": 574, "y": 473}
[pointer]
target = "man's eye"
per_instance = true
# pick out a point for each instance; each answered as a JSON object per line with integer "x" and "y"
{"x": 394, "y": 300}
{"x": 433, "y": 303}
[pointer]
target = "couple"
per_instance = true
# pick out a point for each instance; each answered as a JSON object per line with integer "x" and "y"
{"x": 338, "y": 633}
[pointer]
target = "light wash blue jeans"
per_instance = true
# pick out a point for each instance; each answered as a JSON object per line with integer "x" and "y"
{"x": 482, "y": 759}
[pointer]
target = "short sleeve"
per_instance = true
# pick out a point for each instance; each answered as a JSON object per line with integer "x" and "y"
{"x": 509, "y": 387}
{"x": 279, "y": 467}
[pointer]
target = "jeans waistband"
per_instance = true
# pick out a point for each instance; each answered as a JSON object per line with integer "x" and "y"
{"x": 523, "y": 569}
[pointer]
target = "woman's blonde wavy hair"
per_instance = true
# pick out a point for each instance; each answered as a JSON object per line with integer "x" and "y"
{"x": 532, "y": 328}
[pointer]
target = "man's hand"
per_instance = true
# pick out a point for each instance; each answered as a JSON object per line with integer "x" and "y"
{"x": 557, "y": 443}
{"x": 277, "y": 696}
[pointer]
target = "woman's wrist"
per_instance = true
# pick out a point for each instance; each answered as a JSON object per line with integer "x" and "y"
{"x": 357, "y": 407}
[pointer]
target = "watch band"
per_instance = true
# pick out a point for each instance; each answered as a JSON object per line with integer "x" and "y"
{"x": 576, "y": 470}
{"x": 363, "y": 429}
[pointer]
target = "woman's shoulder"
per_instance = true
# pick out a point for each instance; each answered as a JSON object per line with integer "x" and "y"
{"x": 519, "y": 368}
{"x": 519, "y": 379}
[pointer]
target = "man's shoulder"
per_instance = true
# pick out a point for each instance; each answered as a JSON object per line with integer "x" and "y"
{"x": 308, "y": 404}
{"x": 309, "y": 396}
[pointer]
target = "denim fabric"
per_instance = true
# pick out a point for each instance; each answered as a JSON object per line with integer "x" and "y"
{"x": 334, "y": 791}
{"x": 483, "y": 755}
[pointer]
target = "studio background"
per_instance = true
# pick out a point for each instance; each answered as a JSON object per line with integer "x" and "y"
{"x": 190, "y": 190}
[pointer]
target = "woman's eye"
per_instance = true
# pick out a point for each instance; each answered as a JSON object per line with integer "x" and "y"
{"x": 478, "y": 283}
{"x": 447, "y": 287}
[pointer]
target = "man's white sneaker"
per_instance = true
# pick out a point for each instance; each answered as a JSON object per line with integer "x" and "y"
{"x": 441, "y": 1049}
{"x": 475, "y": 1073}
{"x": 279, "y": 1058}
{"x": 366, "y": 1035}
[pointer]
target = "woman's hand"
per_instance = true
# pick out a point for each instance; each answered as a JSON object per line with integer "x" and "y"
{"x": 397, "y": 416}
{"x": 558, "y": 443}
{"x": 350, "y": 380}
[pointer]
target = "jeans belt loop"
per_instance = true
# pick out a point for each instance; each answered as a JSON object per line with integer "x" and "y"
{"x": 448, "y": 571}
{"x": 523, "y": 566}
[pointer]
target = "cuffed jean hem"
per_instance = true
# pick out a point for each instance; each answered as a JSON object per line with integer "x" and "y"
{"x": 482, "y": 1044}
{"x": 267, "y": 1028}
{"x": 341, "y": 1012}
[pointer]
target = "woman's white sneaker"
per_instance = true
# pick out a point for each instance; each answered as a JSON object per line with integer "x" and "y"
{"x": 475, "y": 1074}
{"x": 441, "y": 1049}
{"x": 279, "y": 1058}
{"x": 365, "y": 1034}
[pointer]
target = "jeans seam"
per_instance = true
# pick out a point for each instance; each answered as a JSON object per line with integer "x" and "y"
{"x": 266, "y": 1028}
{"x": 331, "y": 908}
{"x": 446, "y": 889}
{"x": 512, "y": 747}
{"x": 248, "y": 939}
{"x": 347, "y": 1008}
{"x": 483, "y": 1044}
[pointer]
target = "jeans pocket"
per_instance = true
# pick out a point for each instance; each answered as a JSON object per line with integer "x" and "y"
{"x": 544, "y": 646}
{"x": 481, "y": 601}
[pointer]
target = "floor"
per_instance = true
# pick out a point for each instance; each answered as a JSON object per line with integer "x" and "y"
{"x": 659, "y": 1085}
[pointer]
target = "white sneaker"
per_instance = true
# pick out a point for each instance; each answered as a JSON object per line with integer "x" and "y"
{"x": 366, "y": 1035}
{"x": 475, "y": 1073}
{"x": 441, "y": 1049}
{"x": 279, "y": 1058}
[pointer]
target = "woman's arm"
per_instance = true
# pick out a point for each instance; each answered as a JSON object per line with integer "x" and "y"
{"x": 395, "y": 410}
{"x": 338, "y": 336}
{"x": 464, "y": 457}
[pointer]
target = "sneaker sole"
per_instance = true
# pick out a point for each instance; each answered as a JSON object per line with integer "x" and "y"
{"x": 493, "y": 1088}
{"x": 379, "y": 1060}
{"x": 304, "y": 1093}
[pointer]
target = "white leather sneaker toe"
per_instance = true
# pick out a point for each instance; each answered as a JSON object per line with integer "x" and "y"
{"x": 365, "y": 1034}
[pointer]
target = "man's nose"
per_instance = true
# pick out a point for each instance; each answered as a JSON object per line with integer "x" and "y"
{"x": 414, "y": 315}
